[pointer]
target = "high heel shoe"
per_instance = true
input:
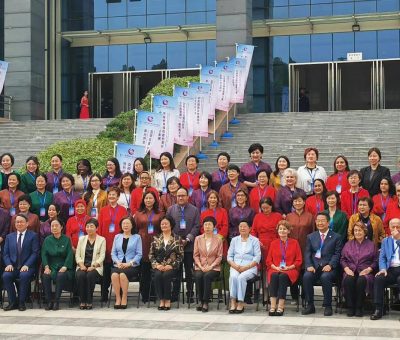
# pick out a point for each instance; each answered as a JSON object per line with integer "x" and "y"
{"x": 279, "y": 312}
{"x": 160, "y": 307}
{"x": 272, "y": 312}
{"x": 239, "y": 311}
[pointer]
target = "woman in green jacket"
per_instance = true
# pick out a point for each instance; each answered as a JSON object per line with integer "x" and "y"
{"x": 57, "y": 261}
{"x": 28, "y": 179}
{"x": 338, "y": 219}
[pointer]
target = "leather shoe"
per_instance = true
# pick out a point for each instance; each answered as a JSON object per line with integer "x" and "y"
{"x": 310, "y": 309}
{"x": 56, "y": 306}
{"x": 199, "y": 308}
{"x": 10, "y": 307}
{"x": 359, "y": 313}
{"x": 239, "y": 311}
{"x": 49, "y": 306}
{"x": 377, "y": 315}
{"x": 350, "y": 313}
{"x": 328, "y": 311}
{"x": 22, "y": 307}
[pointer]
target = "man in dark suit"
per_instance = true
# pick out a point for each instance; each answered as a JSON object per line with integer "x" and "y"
{"x": 21, "y": 251}
{"x": 321, "y": 259}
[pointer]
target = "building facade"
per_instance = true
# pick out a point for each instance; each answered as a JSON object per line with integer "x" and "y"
{"x": 117, "y": 49}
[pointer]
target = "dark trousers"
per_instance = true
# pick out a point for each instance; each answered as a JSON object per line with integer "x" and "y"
{"x": 327, "y": 279}
{"x": 86, "y": 282}
{"x": 145, "y": 268}
{"x": 162, "y": 282}
{"x": 380, "y": 282}
{"x": 278, "y": 285}
{"x": 62, "y": 283}
{"x": 354, "y": 291}
{"x": 106, "y": 280}
{"x": 188, "y": 264}
{"x": 203, "y": 284}
{"x": 25, "y": 279}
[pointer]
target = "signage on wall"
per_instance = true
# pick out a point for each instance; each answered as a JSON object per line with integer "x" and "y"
{"x": 354, "y": 56}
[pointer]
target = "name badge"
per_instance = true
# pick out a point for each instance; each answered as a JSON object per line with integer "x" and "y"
{"x": 81, "y": 233}
{"x": 71, "y": 211}
{"x": 190, "y": 192}
{"x": 182, "y": 224}
{"x": 282, "y": 264}
{"x": 215, "y": 231}
{"x": 111, "y": 228}
{"x": 93, "y": 212}
{"x": 339, "y": 188}
{"x": 55, "y": 190}
{"x": 318, "y": 254}
{"x": 12, "y": 211}
{"x": 164, "y": 190}
{"x": 150, "y": 228}
{"x": 42, "y": 212}
{"x": 233, "y": 203}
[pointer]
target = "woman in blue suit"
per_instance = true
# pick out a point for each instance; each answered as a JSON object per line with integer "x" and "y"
{"x": 244, "y": 254}
{"x": 126, "y": 254}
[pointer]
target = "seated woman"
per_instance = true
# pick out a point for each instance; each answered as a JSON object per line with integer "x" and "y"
{"x": 207, "y": 257}
{"x": 57, "y": 261}
{"x": 126, "y": 254}
{"x": 89, "y": 256}
{"x": 244, "y": 254}
{"x": 284, "y": 264}
{"x": 166, "y": 255}
{"x": 359, "y": 261}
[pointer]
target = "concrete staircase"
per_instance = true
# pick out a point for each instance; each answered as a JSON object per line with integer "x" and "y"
{"x": 27, "y": 138}
{"x": 350, "y": 133}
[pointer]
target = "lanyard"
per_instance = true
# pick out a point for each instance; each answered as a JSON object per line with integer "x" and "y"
{"x": 236, "y": 190}
{"x": 128, "y": 200}
{"x": 183, "y": 213}
{"x": 12, "y": 198}
{"x": 384, "y": 204}
{"x": 151, "y": 218}
{"x": 283, "y": 250}
{"x": 32, "y": 176}
{"x": 165, "y": 179}
{"x": 318, "y": 205}
{"x": 109, "y": 180}
{"x": 312, "y": 176}
{"x": 191, "y": 179}
{"x": 354, "y": 202}
{"x": 261, "y": 195}
{"x": 94, "y": 200}
{"x": 85, "y": 183}
{"x": 114, "y": 216}
{"x": 256, "y": 167}
{"x": 322, "y": 236}
{"x": 215, "y": 213}
{"x": 340, "y": 176}
{"x": 56, "y": 178}
{"x": 223, "y": 178}
{"x": 69, "y": 197}
{"x": 203, "y": 198}
{"x": 241, "y": 213}
{"x": 81, "y": 223}
{"x": 42, "y": 198}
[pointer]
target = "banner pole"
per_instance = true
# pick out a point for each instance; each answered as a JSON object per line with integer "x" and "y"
{"x": 135, "y": 111}
{"x": 150, "y": 163}
{"x": 227, "y": 133}
{"x": 201, "y": 155}
{"x": 214, "y": 144}
{"x": 234, "y": 121}
{"x": 151, "y": 102}
{"x": 115, "y": 148}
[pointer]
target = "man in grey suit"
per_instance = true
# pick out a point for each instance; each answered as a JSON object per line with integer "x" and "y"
{"x": 321, "y": 259}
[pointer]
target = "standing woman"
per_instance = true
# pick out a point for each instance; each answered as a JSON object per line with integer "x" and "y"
{"x": 54, "y": 177}
{"x": 168, "y": 199}
{"x": 95, "y": 197}
{"x": 147, "y": 220}
{"x": 308, "y": 173}
{"x": 249, "y": 170}
{"x": 316, "y": 203}
{"x": 67, "y": 197}
{"x": 9, "y": 197}
{"x": 137, "y": 193}
{"x": 83, "y": 173}
{"x": 165, "y": 170}
{"x": 109, "y": 218}
{"x": 372, "y": 174}
{"x": 338, "y": 219}
{"x": 262, "y": 190}
{"x": 89, "y": 257}
{"x": 264, "y": 224}
{"x": 84, "y": 113}
{"x": 190, "y": 178}
{"x": 199, "y": 196}
{"x": 227, "y": 193}
{"x": 166, "y": 256}
{"x": 6, "y": 162}
{"x": 276, "y": 179}
{"x": 220, "y": 176}
{"x": 349, "y": 198}
{"x": 24, "y": 204}
{"x": 126, "y": 255}
{"x": 386, "y": 195}
{"x": 41, "y": 199}
{"x": 76, "y": 225}
{"x": 393, "y": 209}
{"x": 28, "y": 179}
{"x": 113, "y": 173}
{"x": 283, "y": 262}
{"x": 242, "y": 211}
{"x": 53, "y": 212}
{"x": 57, "y": 262}
{"x": 338, "y": 180}
{"x": 284, "y": 196}
{"x": 126, "y": 185}
{"x": 139, "y": 165}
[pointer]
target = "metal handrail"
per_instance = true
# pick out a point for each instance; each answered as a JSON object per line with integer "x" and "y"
{"x": 6, "y": 106}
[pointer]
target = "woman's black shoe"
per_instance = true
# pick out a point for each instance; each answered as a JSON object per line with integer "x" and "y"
{"x": 272, "y": 312}
{"x": 82, "y": 307}
{"x": 160, "y": 307}
{"x": 199, "y": 308}
{"x": 89, "y": 307}
{"x": 239, "y": 311}
{"x": 350, "y": 312}
{"x": 232, "y": 311}
{"x": 167, "y": 308}
{"x": 205, "y": 309}
{"x": 377, "y": 315}
{"x": 279, "y": 312}
{"x": 117, "y": 306}
{"x": 123, "y": 307}
{"x": 359, "y": 313}
{"x": 49, "y": 306}
{"x": 56, "y": 305}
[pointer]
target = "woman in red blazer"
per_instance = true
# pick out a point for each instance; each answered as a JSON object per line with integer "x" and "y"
{"x": 283, "y": 265}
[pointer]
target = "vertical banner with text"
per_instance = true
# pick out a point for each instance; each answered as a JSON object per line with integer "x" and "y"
{"x": 202, "y": 108}
{"x": 239, "y": 72}
{"x": 184, "y": 120}
{"x": 148, "y": 128}
{"x": 245, "y": 52}
{"x": 126, "y": 155}
{"x": 210, "y": 75}
{"x": 3, "y": 72}
{"x": 225, "y": 85}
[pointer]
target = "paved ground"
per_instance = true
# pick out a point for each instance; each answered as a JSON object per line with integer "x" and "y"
{"x": 143, "y": 323}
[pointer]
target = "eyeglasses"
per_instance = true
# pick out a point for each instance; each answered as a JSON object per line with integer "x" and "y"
{"x": 142, "y": 178}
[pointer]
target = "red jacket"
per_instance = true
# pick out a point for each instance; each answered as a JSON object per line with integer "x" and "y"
{"x": 221, "y": 216}
{"x": 346, "y": 201}
{"x": 106, "y": 215}
{"x": 136, "y": 198}
{"x": 293, "y": 257}
{"x": 332, "y": 182}
{"x": 314, "y": 205}
{"x": 256, "y": 194}
{"x": 392, "y": 211}
{"x": 381, "y": 204}
{"x": 186, "y": 178}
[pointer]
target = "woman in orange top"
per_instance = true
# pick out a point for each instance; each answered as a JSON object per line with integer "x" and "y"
{"x": 84, "y": 114}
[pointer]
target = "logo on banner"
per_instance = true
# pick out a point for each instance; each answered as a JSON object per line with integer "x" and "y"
{"x": 131, "y": 152}
{"x": 185, "y": 93}
{"x": 210, "y": 72}
{"x": 150, "y": 119}
{"x": 165, "y": 102}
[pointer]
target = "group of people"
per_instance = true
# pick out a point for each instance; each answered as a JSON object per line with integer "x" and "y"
{"x": 79, "y": 230}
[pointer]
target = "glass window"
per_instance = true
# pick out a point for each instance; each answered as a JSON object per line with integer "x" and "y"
{"x": 343, "y": 8}
{"x": 196, "y": 53}
{"x": 156, "y": 56}
{"x": 299, "y": 11}
{"x": 100, "y": 58}
{"x": 343, "y": 43}
{"x": 176, "y": 6}
{"x": 176, "y": 54}
{"x": 211, "y": 48}
{"x": 280, "y": 3}
{"x": 155, "y": 20}
{"x": 211, "y": 5}
{"x": 259, "y": 80}
{"x": 260, "y": 53}
{"x": 299, "y": 2}
{"x": 116, "y": 9}
{"x": 321, "y": 47}
{"x": 175, "y": 19}
{"x": 211, "y": 17}
{"x": 321, "y": 1}
{"x": 365, "y": 7}
{"x": 280, "y": 12}
{"x": 117, "y": 57}
{"x": 300, "y": 49}
{"x": 321, "y": 10}
{"x": 388, "y": 44}
{"x": 195, "y": 5}
{"x": 116, "y": 23}
{"x": 366, "y": 42}
{"x": 387, "y": 5}
{"x": 155, "y": 6}
{"x": 280, "y": 49}
{"x": 100, "y": 23}
{"x": 137, "y": 7}
{"x": 259, "y": 104}
{"x": 137, "y": 57}
{"x": 137, "y": 21}
{"x": 100, "y": 8}
{"x": 196, "y": 18}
